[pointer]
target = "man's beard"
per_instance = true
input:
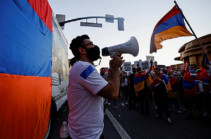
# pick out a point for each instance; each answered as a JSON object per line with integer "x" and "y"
{"x": 93, "y": 54}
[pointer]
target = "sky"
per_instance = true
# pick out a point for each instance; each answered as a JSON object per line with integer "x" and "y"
{"x": 140, "y": 18}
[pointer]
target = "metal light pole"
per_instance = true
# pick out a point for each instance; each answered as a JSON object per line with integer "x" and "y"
{"x": 108, "y": 18}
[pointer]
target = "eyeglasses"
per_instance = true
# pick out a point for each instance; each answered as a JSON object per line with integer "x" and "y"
{"x": 90, "y": 43}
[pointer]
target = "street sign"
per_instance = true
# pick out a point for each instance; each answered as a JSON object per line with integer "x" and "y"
{"x": 109, "y": 18}
{"x": 138, "y": 64}
{"x": 145, "y": 65}
{"x": 149, "y": 58}
{"x": 91, "y": 24}
{"x": 127, "y": 66}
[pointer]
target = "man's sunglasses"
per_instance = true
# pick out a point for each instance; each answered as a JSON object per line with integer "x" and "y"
{"x": 90, "y": 43}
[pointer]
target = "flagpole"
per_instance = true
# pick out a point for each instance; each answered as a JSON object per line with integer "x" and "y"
{"x": 191, "y": 29}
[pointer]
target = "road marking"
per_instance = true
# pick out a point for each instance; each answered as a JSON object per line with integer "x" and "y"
{"x": 123, "y": 134}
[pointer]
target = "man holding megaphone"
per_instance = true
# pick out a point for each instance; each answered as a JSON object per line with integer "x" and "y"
{"x": 129, "y": 47}
{"x": 87, "y": 88}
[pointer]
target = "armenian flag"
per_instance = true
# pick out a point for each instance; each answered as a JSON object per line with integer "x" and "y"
{"x": 139, "y": 82}
{"x": 106, "y": 69}
{"x": 170, "y": 26}
{"x": 186, "y": 67}
{"x": 166, "y": 80}
{"x": 25, "y": 68}
{"x": 190, "y": 86}
{"x": 170, "y": 69}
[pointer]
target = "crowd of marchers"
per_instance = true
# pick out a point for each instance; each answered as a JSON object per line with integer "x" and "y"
{"x": 87, "y": 90}
{"x": 182, "y": 91}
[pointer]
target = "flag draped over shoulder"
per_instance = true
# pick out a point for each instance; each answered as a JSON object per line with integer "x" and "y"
{"x": 170, "y": 26}
{"x": 139, "y": 82}
{"x": 25, "y": 68}
{"x": 173, "y": 83}
{"x": 190, "y": 86}
{"x": 166, "y": 80}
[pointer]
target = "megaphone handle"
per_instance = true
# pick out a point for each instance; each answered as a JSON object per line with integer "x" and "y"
{"x": 112, "y": 54}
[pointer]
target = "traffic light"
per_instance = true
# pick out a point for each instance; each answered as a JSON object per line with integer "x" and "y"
{"x": 120, "y": 24}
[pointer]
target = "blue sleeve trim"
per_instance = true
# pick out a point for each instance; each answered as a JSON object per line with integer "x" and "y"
{"x": 165, "y": 78}
{"x": 87, "y": 72}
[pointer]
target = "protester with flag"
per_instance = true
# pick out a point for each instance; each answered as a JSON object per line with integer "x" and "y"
{"x": 170, "y": 26}
{"x": 141, "y": 89}
{"x": 164, "y": 75}
{"x": 174, "y": 94}
{"x": 202, "y": 101}
{"x": 190, "y": 89}
{"x": 161, "y": 93}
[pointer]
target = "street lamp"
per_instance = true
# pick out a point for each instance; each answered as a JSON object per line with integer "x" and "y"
{"x": 108, "y": 18}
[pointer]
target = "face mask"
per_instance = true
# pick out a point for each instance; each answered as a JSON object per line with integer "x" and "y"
{"x": 192, "y": 71}
{"x": 93, "y": 53}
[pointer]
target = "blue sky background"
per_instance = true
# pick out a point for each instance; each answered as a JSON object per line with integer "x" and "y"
{"x": 140, "y": 16}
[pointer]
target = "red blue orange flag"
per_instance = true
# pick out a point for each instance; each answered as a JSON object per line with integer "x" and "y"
{"x": 169, "y": 69}
{"x": 106, "y": 69}
{"x": 170, "y": 26}
{"x": 190, "y": 86}
{"x": 186, "y": 67}
{"x": 25, "y": 68}
{"x": 153, "y": 67}
{"x": 139, "y": 82}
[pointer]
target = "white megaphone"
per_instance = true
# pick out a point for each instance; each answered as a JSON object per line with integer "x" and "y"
{"x": 130, "y": 47}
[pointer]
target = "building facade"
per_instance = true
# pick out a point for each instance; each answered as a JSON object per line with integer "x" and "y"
{"x": 192, "y": 51}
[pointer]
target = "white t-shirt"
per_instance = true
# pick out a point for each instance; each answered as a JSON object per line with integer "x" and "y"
{"x": 85, "y": 120}
{"x": 124, "y": 83}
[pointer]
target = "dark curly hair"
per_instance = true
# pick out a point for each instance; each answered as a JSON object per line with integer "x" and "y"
{"x": 76, "y": 43}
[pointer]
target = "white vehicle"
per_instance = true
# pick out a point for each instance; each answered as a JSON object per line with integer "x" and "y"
{"x": 60, "y": 72}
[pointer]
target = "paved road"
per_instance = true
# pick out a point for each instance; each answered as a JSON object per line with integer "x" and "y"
{"x": 109, "y": 131}
{"x": 142, "y": 127}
